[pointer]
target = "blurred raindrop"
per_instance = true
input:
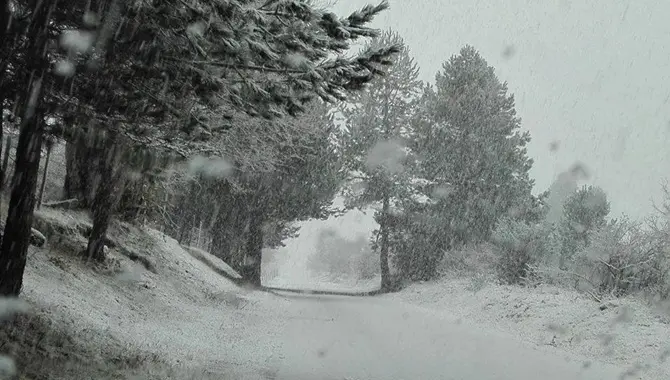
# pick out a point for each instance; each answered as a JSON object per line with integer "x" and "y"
{"x": 77, "y": 41}
{"x": 665, "y": 354}
{"x": 508, "y": 52}
{"x": 64, "y": 68}
{"x": 387, "y": 155}
{"x": 91, "y": 19}
{"x": 7, "y": 367}
{"x": 10, "y": 306}
{"x": 442, "y": 192}
{"x": 620, "y": 146}
{"x": 196, "y": 28}
{"x": 210, "y": 167}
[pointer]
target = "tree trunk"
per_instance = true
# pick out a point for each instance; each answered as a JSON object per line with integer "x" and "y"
{"x": 2, "y": 168}
{"x": 254, "y": 250}
{"x": 82, "y": 166}
{"x": 17, "y": 232}
{"x": 185, "y": 212}
{"x": 106, "y": 198}
{"x": 220, "y": 242}
{"x": 384, "y": 245}
{"x": 40, "y": 197}
{"x": 16, "y": 236}
{"x": 5, "y": 17}
{"x": 5, "y": 162}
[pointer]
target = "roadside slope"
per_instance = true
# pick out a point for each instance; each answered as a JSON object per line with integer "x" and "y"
{"x": 626, "y": 332}
{"x": 152, "y": 299}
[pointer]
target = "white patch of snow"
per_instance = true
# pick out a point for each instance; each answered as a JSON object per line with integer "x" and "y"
{"x": 626, "y": 332}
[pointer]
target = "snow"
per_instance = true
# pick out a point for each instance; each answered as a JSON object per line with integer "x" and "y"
{"x": 194, "y": 318}
{"x": 213, "y": 260}
{"x": 628, "y": 332}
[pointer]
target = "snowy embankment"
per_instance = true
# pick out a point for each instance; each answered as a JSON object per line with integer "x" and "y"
{"x": 167, "y": 306}
{"x": 627, "y": 332}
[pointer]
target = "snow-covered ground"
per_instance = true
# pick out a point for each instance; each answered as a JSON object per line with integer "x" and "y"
{"x": 194, "y": 319}
{"x": 626, "y": 332}
{"x": 191, "y": 317}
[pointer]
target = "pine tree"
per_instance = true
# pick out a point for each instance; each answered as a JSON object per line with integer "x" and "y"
{"x": 301, "y": 184}
{"x": 167, "y": 75}
{"x": 473, "y": 151}
{"x": 302, "y": 187}
{"x": 376, "y": 142}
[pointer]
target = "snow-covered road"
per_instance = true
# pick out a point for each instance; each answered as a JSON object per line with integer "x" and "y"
{"x": 377, "y": 338}
{"x": 333, "y": 337}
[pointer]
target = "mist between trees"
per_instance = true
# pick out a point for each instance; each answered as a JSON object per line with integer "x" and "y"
{"x": 237, "y": 119}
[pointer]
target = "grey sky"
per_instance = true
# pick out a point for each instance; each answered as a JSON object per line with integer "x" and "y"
{"x": 593, "y": 75}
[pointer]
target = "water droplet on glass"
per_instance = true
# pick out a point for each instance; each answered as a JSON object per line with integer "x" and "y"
{"x": 64, "y": 68}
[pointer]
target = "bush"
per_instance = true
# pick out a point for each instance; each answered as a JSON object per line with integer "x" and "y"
{"x": 470, "y": 260}
{"x": 518, "y": 247}
{"x": 584, "y": 212}
{"x": 624, "y": 258}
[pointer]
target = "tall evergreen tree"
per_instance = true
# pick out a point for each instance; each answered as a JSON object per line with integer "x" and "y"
{"x": 473, "y": 150}
{"x": 376, "y": 141}
{"x": 166, "y": 75}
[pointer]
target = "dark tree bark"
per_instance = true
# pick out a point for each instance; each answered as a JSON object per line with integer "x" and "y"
{"x": 221, "y": 243}
{"x": 5, "y": 16}
{"x": 254, "y": 250}
{"x": 185, "y": 213}
{"x": 228, "y": 233}
{"x": 5, "y": 162}
{"x": 80, "y": 167}
{"x": 16, "y": 237}
{"x": 131, "y": 205}
{"x": 384, "y": 245}
{"x": 40, "y": 197}
{"x": 106, "y": 198}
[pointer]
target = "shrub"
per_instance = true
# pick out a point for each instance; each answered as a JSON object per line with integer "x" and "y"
{"x": 624, "y": 258}
{"x": 470, "y": 260}
{"x": 518, "y": 247}
{"x": 584, "y": 212}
